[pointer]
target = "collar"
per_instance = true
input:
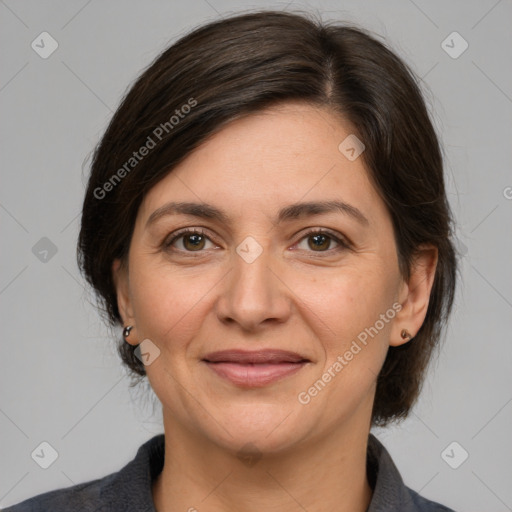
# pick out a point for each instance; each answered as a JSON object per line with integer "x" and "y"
{"x": 133, "y": 483}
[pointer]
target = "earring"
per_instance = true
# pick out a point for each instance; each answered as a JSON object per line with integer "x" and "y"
{"x": 126, "y": 331}
{"x": 405, "y": 334}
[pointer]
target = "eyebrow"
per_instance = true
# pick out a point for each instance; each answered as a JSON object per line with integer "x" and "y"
{"x": 288, "y": 213}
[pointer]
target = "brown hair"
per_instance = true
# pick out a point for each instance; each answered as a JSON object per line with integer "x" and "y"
{"x": 242, "y": 64}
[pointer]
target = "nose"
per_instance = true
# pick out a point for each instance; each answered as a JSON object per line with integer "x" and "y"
{"x": 254, "y": 293}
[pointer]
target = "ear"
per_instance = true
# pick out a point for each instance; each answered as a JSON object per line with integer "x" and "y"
{"x": 414, "y": 295}
{"x": 122, "y": 285}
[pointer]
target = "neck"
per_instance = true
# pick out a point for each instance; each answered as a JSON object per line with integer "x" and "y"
{"x": 201, "y": 476}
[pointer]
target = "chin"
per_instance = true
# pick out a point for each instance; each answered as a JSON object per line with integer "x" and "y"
{"x": 266, "y": 427}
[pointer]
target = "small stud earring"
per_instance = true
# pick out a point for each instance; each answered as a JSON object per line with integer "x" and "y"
{"x": 405, "y": 334}
{"x": 126, "y": 331}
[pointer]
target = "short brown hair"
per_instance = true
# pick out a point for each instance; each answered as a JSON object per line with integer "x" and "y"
{"x": 242, "y": 64}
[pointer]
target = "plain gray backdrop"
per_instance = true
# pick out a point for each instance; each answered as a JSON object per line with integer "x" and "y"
{"x": 61, "y": 381}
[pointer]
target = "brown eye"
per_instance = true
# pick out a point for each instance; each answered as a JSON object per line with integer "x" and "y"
{"x": 191, "y": 241}
{"x": 321, "y": 241}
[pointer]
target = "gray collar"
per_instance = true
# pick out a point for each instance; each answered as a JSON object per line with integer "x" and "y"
{"x": 130, "y": 488}
{"x": 389, "y": 490}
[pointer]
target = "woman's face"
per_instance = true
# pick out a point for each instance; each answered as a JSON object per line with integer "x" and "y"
{"x": 255, "y": 280}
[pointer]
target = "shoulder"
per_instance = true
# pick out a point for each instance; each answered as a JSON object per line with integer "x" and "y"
{"x": 130, "y": 488}
{"x": 85, "y": 497}
{"x": 389, "y": 490}
{"x": 421, "y": 504}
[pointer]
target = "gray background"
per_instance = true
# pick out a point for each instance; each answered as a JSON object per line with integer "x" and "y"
{"x": 60, "y": 379}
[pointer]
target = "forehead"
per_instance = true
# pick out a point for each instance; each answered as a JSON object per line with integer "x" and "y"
{"x": 261, "y": 162}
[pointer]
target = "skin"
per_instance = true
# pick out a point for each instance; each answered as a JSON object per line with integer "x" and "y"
{"x": 191, "y": 300}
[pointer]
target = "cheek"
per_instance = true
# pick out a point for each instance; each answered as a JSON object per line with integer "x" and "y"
{"x": 351, "y": 313}
{"x": 169, "y": 303}
{"x": 349, "y": 298}
{"x": 343, "y": 312}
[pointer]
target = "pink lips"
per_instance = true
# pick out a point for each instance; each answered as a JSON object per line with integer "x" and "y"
{"x": 254, "y": 369}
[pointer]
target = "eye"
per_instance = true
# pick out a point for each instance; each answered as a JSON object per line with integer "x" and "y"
{"x": 319, "y": 240}
{"x": 193, "y": 240}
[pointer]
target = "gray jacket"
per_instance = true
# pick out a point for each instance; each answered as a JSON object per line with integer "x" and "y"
{"x": 129, "y": 489}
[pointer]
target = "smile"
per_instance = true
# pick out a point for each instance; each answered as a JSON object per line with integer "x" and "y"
{"x": 255, "y": 369}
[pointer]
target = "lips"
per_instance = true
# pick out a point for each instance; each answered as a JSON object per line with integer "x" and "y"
{"x": 254, "y": 368}
{"x": 269, "y": 356}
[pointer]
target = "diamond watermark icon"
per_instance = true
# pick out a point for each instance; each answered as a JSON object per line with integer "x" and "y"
{"x": 454, "y": 45}
{"x": 249, "y": 249}
{"x": 44, "y": 455}
{"x": 351, "y": 147}
{"x": 147, "y": 352}
{"x": 249, "y": 454}
{"x": 44, "y": 45}
{"x": 44, "y": 250}
{"x": 454, "y": 455}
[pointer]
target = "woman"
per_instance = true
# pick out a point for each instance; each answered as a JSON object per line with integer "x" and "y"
{"x": 266, "y": 221}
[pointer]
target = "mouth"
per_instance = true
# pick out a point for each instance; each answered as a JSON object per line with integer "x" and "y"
{"x": 255, "y": 368}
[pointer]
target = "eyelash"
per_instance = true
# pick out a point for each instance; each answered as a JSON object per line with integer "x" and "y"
{"x": 343, "y": 245}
